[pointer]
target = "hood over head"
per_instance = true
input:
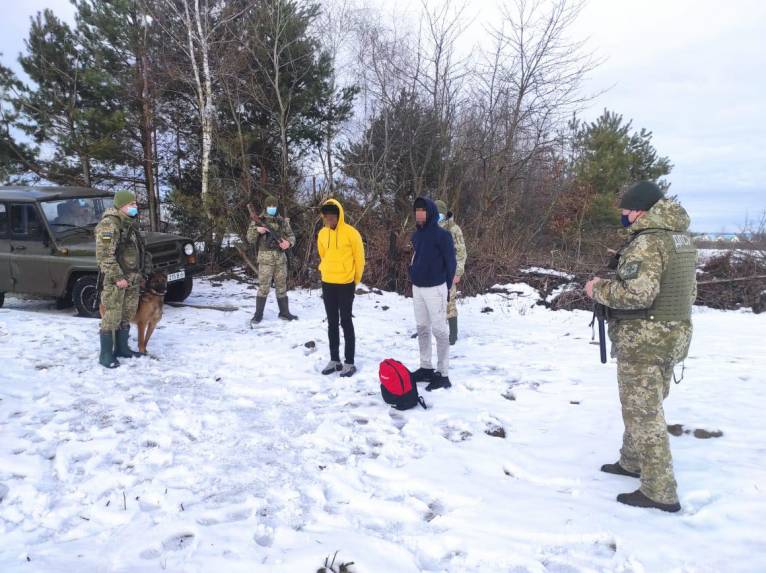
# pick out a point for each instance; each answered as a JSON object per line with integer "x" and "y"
{"x": 432, "y": 211}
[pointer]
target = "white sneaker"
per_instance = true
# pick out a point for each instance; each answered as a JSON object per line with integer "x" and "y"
{"x": 348, "y": 370}
{"x": 332, "y": 366}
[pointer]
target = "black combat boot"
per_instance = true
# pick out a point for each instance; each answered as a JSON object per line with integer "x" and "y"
{"x": 284, "y": 309}
{"x": 638, "y": 499}
{"x": 260, "y": 304}
{"x": 422, "y": 375}
{"x": 452, "y": 330}
{"x": 438, "y": 381}
{"x": 617, "y": 469}
{"x": 106, "y": 358}
{"x": 121, "y": 348}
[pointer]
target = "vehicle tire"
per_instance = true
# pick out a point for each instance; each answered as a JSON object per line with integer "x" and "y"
{"x": 180, "y": 290}
{"x": 85, "y": 296}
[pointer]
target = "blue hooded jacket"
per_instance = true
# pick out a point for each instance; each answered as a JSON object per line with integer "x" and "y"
{"x": 433, "y": 260}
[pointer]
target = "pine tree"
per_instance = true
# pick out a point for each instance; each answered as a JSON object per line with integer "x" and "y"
{"x": 610, "y": 158}
{"x": 70, "y": 106}
{"x": 118, "y": 37}
{"x": 14, "y": 155}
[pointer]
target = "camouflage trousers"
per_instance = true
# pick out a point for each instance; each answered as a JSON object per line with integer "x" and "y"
{"x": 272, "y": 265}
{"x": 645, "y": 444}
{"x": 452, "y": 303}
{"x": 120, "y": 305}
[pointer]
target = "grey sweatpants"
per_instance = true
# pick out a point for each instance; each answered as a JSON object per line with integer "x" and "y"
{"x": 431, "y": 317}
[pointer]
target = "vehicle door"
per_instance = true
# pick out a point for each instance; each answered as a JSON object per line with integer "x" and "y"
{"x": 30, "y": 250}
{"x": 5, "y": 251}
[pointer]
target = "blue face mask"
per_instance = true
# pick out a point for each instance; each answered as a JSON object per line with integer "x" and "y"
{"x": 271, "y": 211}
{"x": 625, "y": 221}
{"x": 132, "y": 211}
{"x": 441, "y": 217}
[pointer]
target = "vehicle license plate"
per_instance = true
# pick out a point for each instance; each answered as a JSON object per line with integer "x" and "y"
{"x": 176, "y": 276}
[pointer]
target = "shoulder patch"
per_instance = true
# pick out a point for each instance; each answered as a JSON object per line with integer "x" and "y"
{"x": 106, "y": 235}
{"x": 682, "y": 243}
{"x": 630, "y": 270}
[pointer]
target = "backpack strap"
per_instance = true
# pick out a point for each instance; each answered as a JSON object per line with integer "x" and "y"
{"x": 422, "y": 402}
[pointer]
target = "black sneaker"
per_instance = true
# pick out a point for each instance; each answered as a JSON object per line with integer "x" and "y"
{"x": 638, "y": 499}
{"x": 422, "y": 375}
{"x": 438, "y": 381}
{"x": 617, "y": 469}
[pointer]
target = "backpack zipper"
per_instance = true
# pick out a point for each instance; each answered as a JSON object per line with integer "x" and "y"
{"x": 401, "y": 380}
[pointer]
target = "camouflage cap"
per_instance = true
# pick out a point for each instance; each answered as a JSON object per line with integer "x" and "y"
{"x": 270, "y": 201}
{"x": 442, "y": 206}
{"x": 641, "y": 196}
{"x": 122, "y": 198}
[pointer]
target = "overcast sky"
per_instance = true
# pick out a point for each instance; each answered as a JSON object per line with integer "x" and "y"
{"x": 691, "y": 71}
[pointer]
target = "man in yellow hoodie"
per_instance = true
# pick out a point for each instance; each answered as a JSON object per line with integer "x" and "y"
{"x": 341, "y": 262}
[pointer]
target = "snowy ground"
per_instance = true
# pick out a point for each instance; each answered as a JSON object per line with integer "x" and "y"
{"x": 229, "y": 452}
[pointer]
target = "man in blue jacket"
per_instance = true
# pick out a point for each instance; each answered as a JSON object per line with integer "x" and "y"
{"x": 431, "y": 271}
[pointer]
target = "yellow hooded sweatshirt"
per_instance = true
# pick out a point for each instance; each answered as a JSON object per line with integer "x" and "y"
{"x": 341, "y": 251}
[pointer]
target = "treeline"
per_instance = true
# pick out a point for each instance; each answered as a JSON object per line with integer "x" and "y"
{"x": 202, "y": 107}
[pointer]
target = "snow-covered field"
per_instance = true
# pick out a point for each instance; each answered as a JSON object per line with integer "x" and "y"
{"x": 229, "y": 452}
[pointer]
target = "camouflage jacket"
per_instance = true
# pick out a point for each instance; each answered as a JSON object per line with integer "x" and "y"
{"x": 457, "y": 238}
{"x": 119, "y": 248}
{"x": 264, "y": 242}
{"x": 642, "y": 263}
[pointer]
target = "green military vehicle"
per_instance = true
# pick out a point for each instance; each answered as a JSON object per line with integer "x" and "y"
{"x": 47, "y": 247}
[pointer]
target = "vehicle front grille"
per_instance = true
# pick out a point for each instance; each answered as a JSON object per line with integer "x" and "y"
{"x": 165, "y": 256}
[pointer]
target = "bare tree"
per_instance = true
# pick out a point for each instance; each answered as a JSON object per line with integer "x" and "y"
{"x": 335, "y": 34}
{"x": 195, "y": 27}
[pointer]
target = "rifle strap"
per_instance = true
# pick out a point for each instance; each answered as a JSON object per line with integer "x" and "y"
{"x": 683, "y": 371}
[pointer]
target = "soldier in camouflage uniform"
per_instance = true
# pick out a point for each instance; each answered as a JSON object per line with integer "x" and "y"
{"x": 446, "y": 221}
{"x": 272, "y": 258}
{"x": 120, "y": 255}
{"x": 649, "y": 307}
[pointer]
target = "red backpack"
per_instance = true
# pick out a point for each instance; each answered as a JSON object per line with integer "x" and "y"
{"x": 397, "y": 387}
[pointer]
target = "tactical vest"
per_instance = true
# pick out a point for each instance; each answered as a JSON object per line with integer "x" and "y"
{"x": 674, "y": 301}
{"x": 129, "y": 237}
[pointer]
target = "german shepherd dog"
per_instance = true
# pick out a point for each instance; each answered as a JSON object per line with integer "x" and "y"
{"x": 150, "y": 306}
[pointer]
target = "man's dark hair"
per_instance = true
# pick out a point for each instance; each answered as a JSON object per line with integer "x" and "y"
{"x": 330, "y": 209}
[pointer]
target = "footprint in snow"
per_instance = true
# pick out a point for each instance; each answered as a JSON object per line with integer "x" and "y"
{"x": 178, "y": 542}
{"x": 435, "y": 509}
{"x": 562, "y": 485}
{"x": 456, "y": 435}
{"x": 264, "y": 536}
{"x": 150, "y": 553}
{"x": 695, "y": 501}
{"x": 397, "y": 419}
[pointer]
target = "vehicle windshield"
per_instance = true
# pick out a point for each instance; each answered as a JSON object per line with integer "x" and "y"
{"x": 83, "y": 213}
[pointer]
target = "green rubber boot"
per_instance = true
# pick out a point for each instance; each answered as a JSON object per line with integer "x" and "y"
{"x": 121, "y": 348}
{"x": 107, "y": 358}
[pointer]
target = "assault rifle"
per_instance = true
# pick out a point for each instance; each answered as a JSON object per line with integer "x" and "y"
{"x": 600, "y": 315}
{"x": 272, "y": 234}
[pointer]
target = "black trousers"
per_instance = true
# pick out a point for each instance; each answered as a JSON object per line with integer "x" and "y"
{"x": 338, "y": 303}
